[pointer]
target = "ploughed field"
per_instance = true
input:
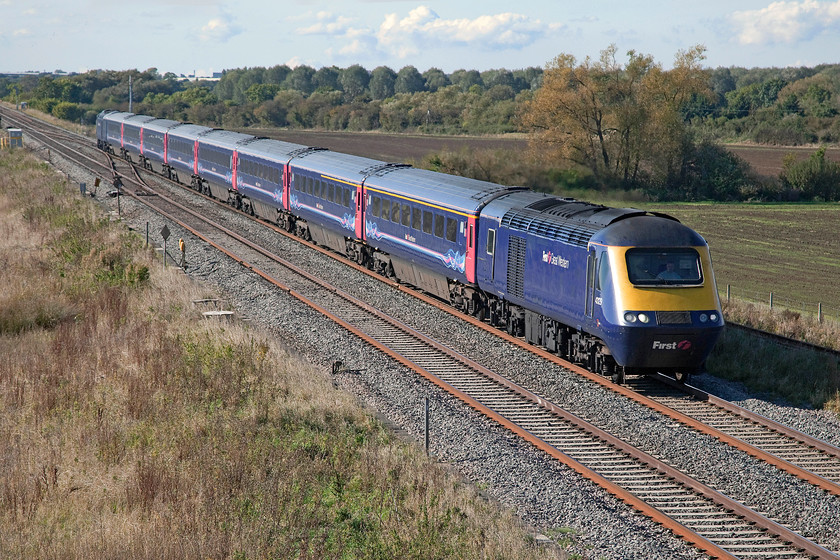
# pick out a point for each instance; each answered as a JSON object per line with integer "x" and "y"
{"x": 789, "y": 249}
{"x": 766, "y": 160}
{"x": 403, "y": 148}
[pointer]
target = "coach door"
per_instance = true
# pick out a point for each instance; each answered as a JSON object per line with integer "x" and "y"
{"x": 360, "y": 211}
{"x": 590, "y": 282}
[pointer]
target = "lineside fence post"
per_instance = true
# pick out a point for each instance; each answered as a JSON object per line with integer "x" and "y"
{"x": 427, "y": 426}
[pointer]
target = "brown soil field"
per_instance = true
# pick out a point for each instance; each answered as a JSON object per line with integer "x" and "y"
{"x": 392, "y": 147}
{"x": 766, "y": 160}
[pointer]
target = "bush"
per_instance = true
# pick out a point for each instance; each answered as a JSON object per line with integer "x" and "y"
{"x": 813, "y": 178}
{"x": 68, "y": 111}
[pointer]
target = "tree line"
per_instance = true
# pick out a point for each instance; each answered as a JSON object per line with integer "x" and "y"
{"x": 618, "y": 121}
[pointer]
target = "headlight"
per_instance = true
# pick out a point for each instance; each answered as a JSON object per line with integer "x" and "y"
{"x": 703, "y": 317}
{"x": 629, "y": 317}
{"x": 714, "y": 317}
{"x": 643, "y": 317}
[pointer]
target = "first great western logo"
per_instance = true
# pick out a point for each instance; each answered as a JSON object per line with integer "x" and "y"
{"x": 555, "y": 260}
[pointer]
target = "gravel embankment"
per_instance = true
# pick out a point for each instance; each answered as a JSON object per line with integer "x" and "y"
{"x": 543, "y": 492}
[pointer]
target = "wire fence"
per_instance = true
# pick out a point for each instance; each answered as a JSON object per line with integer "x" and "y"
{"x": 816, "y": 309}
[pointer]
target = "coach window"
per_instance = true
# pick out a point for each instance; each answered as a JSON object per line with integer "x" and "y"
{"x": 331, "y": 193}
{"x": 440, "y": 224}
{"x": 347, "y": 202}
{"x": 406, "y": 214}
{"x": 491, "y": 241}
{"x": 451, "y": 229}
{"x": 386, "y": 209}
{"x": 376, "y": 206}
{"x": 395, "y": 212}
{"x": 416, "y": 218}
{"x": 428, "y": 221}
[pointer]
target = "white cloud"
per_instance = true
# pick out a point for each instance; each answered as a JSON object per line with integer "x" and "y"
{"x": 424, "y": 28}
{"x": 328, "y": 24}
{"x": 786, "y": 22}
{"x": 21, "y": 33}
{"x": 220, "y": 29}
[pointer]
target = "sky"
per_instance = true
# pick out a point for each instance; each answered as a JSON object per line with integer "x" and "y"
{"x": 205, "y": 36}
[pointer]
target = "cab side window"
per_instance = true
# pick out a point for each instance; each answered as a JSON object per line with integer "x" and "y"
{"x": 603, "y": 271}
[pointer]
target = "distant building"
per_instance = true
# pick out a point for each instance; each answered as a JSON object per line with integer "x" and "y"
{"x": 215, "y": 77}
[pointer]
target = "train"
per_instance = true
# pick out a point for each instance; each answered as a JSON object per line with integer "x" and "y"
{"x": 618, "y": 290}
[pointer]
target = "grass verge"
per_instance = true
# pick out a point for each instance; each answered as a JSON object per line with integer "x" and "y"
{"x": 131, "y": 428}
{"x": 801, "y": 377}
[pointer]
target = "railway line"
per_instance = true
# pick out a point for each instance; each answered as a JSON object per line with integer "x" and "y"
{"x": 692, "y": 510}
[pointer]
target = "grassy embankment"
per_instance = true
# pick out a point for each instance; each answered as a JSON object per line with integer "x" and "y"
{"x": 129, "y": 428}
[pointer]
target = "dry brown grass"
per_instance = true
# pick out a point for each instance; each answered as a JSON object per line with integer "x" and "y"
{"x": 130, "y": 428}
{"x": 785, "y": 322}
{"x": 802, "y": 377}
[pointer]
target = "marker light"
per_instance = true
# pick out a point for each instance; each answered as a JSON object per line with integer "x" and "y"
{"x": 644, "y": 318}
{"x": 703, "y": 317}
{"x": 629, "y": 317}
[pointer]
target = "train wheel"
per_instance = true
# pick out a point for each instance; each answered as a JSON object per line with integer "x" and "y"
{"x": 612, "y": 370}
{"x": 480, "y": 313}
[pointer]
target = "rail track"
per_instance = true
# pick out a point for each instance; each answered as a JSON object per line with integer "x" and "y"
{"x": 709, "y": 520}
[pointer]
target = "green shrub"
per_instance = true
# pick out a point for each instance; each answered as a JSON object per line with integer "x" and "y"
{"x": 815, "y": 177}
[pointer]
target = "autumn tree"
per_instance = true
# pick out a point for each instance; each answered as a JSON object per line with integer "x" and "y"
{"x": 620, "y": 121}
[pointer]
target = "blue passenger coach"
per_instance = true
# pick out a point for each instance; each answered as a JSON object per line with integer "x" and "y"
{"x": 132, "y": 135}
{"x": 216, "y": 155}
{"x": 426, "y": 222}
{"x": 109, "y": 129}
{"x": 154, "y": 132}
{"x": 262, "y": 175}
{"x": 325, "y": 189}
{"x": 182, "y": 152}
